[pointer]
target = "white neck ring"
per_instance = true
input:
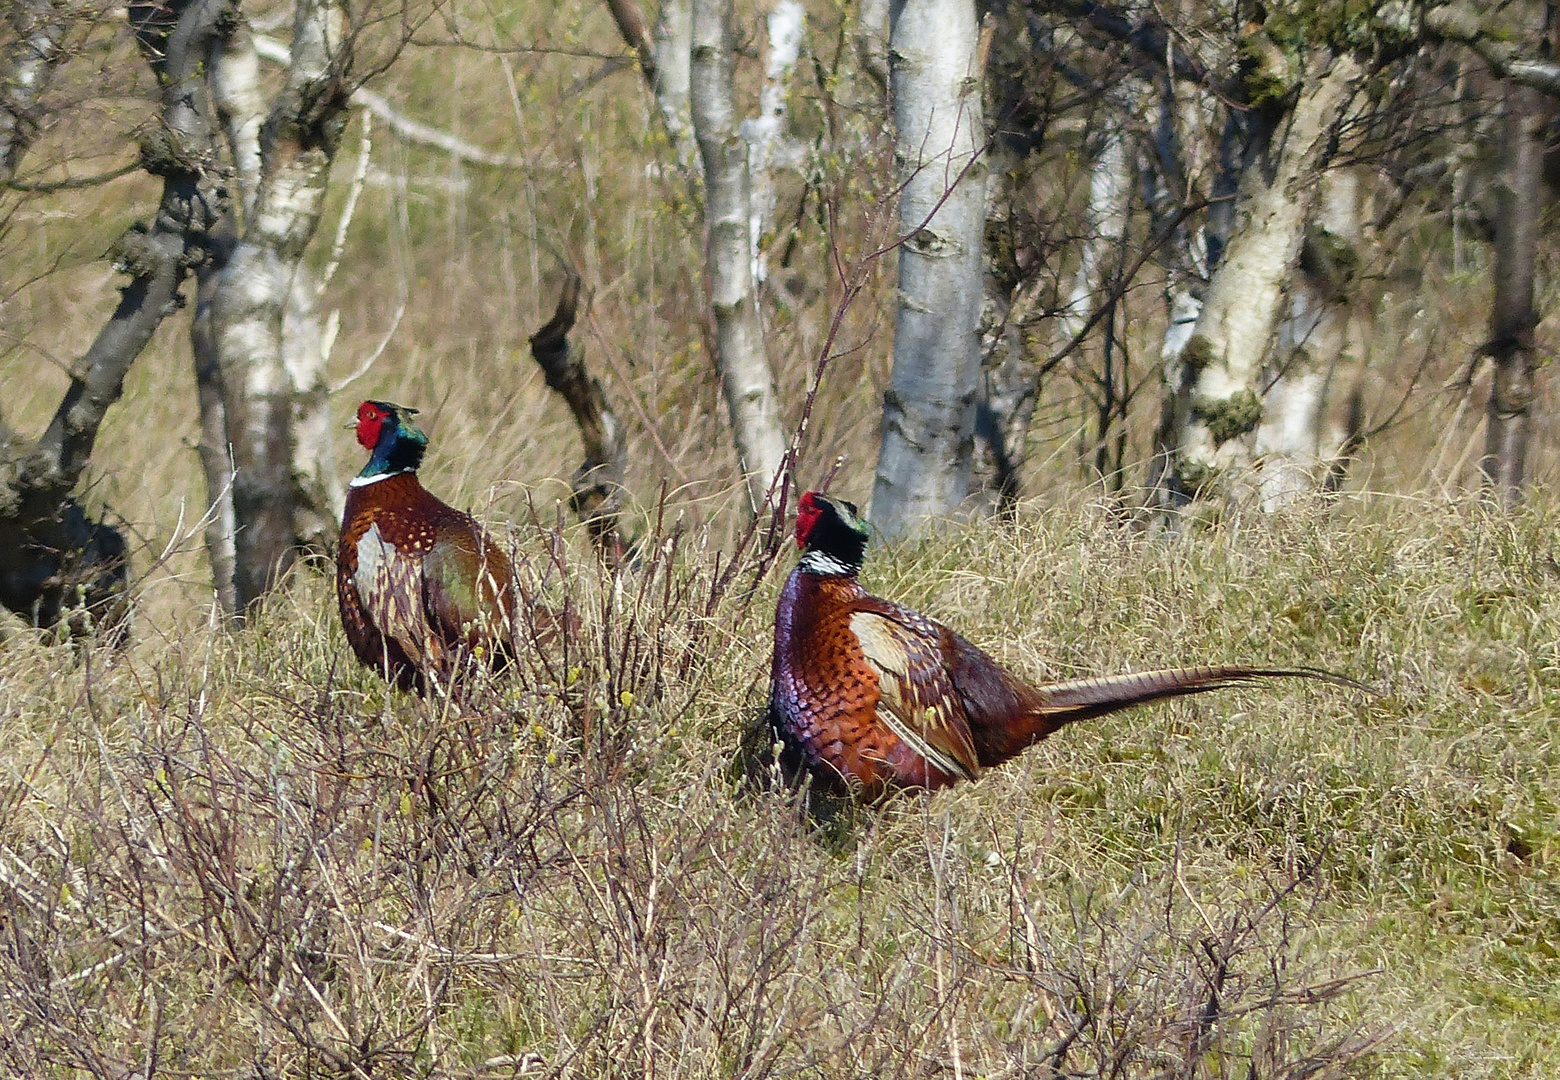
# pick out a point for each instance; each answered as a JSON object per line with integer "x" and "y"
{"x": 364, "y": 481}
{"x": 821, "y": 562}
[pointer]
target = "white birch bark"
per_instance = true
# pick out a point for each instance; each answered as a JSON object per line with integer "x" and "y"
{"x": 928, "y": 411}
{"x": 1010, "y": 386}
{"x": 1009, "y": 380}
{"x": 1302, "y": 434}
{"x": 673, "y": 45}
{"x": 233, "y": 73}
{"x": 1240, "y": 312}
{"x": 250, "y": 308}
{"x": 739, "y": 338}
{"x": 1513, "y": 348}
{"x": 768, "y": 143}
{"x": 215, "y": 461}
{"x": 320, "y": 495}
{"x": 234, "y": 77}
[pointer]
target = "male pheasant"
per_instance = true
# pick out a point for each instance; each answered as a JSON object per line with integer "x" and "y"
{"x": 421, "y": 587}
{"x": 868, "y": 696}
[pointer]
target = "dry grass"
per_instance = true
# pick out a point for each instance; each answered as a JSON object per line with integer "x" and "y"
{"x": 243, "y": 855}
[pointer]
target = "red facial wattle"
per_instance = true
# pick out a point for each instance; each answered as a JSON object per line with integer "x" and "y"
{"x": 807, "y": 514}
{"x": 370, "y": 420}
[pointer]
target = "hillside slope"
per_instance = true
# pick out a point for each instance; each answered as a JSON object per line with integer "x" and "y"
{"x": 243, "y": 853}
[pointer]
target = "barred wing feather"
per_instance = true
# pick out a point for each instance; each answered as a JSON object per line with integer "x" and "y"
{"x": 390, "y": 584}
{"x": 917, "y": 698}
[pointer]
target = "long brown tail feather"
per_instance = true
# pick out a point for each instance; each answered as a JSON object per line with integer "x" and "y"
{"x": 1055, "y": 705}
{"x": 1081, "y": 699}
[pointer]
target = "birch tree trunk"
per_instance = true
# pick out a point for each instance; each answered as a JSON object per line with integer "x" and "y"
{"x": 319, "y": 495}
{"x": 38, "y": 27}
{"x": 233, "y": 73}
{"x": 298, "y": 143}
{"x": 1105, "y": 223}
{"x": 1009, "y": 388}
{"x": 1513, "y": 316}
{"x": 673, "y": 51}
{"x": 872, "y": 40}
{"x": 928, "y": 411}
{"x": 1193, "y": 257}
{"x": 1223, "y": 360}
{"x": 739, "y": 339}
{"x": 768, "y": 143}
{"x": 234, "y": 76}
{"x": 1302, "y": 437}
{"x": 213, "y": 446}
{"x": 664, "y": 59}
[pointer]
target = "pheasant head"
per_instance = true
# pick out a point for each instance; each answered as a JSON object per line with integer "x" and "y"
{"x": 832, "y": 537}
{"x": 396, "y": 442}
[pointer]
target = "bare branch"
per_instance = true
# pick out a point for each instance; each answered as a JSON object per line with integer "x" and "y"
{"x": 75, "y": 183}
{"x": 631, "y": 24}
{"x": 1462, "y": 24}
{"x": 157, "y": 259}
{"x": 1150, "y": 38}
{"x": 413, "y": 131}
{"x": 598, "y": 485}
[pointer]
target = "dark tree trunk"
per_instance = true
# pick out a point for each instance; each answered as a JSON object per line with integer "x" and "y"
{"x": 1513, "y": 317}
{"x": 53, "y": 558}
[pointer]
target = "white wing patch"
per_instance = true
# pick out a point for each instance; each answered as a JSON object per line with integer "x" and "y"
{"x": 374, "y": 552}
{"x": 395, "y": 607}
{"x": 881, "y": 644}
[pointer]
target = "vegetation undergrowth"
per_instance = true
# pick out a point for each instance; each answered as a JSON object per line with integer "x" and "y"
{"x": 241, "y": 854}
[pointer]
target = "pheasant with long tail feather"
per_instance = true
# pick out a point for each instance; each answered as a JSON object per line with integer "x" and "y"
{"x": 867, "y": 696}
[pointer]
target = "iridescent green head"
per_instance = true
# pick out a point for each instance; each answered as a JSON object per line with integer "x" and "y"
{"x": 393, "y": 436}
